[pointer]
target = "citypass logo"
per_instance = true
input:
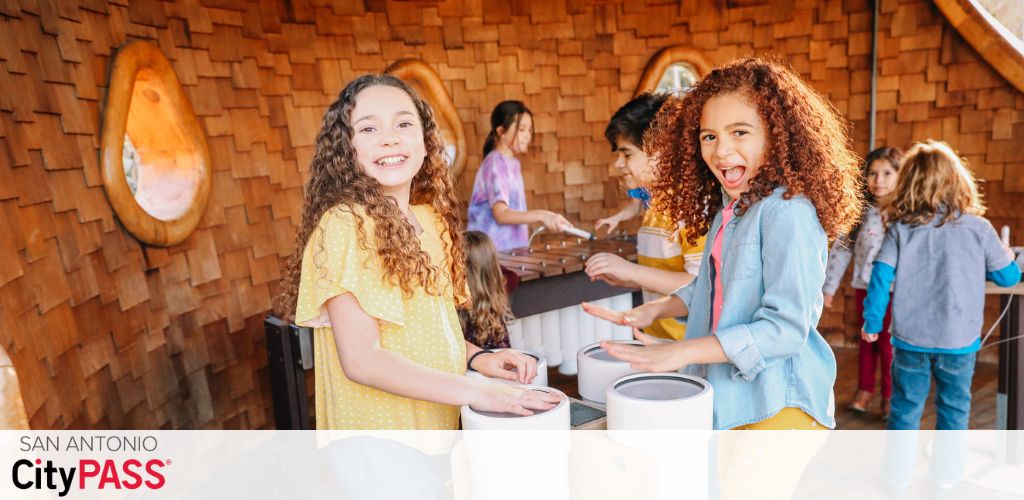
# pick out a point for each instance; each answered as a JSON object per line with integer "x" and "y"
{"x": 132, "y": 472}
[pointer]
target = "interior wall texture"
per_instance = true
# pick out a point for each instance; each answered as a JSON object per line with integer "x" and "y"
{"x": 106, "y": 332}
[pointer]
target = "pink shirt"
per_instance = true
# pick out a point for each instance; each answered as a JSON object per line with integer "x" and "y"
{"x": 716, "y": 260}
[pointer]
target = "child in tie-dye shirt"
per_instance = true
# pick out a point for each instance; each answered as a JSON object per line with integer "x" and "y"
{"x": 498, "y": 204}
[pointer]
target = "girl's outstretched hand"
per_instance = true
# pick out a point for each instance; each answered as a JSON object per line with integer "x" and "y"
{"x": 652, "y": 356}
{"x": 507, "y": 364}
{"x": 638, "y": 317}
{"x": 505, "y": 398}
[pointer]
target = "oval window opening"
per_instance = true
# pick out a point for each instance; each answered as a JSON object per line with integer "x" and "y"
{"x": 162, "y": 165}
{"x": 156, "y": 164}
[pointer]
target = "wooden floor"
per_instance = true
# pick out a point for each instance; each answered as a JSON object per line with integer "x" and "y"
{"x": 983, "y": 405}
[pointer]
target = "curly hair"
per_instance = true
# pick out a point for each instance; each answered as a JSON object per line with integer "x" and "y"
{"x": 337, "y": 180}
{"x": 808, "y": 149}
{"x": 934, "y": 180}
{"x": 490, "y": 309}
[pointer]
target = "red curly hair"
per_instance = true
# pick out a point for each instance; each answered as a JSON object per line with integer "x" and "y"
{"x": 808, "y": 149}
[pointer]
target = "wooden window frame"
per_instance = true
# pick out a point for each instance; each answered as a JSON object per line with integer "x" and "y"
{"x": 428, "y": 84}
{"x": 132, "y": 58}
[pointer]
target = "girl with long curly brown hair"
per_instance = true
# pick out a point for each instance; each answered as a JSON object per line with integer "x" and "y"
{"x": 378, "y": 272}
{"x": 483, "y": 323}
{"x": 761, "y": 162}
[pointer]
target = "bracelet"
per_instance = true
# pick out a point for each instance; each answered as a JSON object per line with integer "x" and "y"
{"x": 469, "y": 364}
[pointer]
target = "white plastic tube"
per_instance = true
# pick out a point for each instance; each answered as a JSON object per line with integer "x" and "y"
{"x": 550, "y": 339}
{"x": 603, "y": 329}
{"x": 533, "y": 337}
{"x": 569, "y": 322}
{"x": 515, "y": 334}
{"x": 622, "y": 302}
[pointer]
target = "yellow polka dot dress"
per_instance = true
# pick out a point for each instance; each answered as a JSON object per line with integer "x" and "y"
{"x": 423, "y": 328}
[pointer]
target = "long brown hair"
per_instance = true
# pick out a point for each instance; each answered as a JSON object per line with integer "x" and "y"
{"x": 934, "y": 180}
{"x": 808, "y": 150}
{"x": 490, "y": 309}
{"x": 336, "y": 180}
{"x": 892, "y": 155}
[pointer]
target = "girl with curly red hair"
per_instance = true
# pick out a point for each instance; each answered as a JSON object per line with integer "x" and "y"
{"x": 760, "y": 162}
{"x": 378, "y": 272}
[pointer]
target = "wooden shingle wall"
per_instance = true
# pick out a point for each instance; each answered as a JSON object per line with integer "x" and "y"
{"x": 106, "y": 332}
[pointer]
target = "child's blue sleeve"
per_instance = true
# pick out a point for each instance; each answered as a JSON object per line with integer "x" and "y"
{"x": 1007, "y": 276}
{"x": 877, "y": 301}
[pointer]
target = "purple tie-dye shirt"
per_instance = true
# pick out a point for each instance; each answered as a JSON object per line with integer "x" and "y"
{"x": 499, "y": 179}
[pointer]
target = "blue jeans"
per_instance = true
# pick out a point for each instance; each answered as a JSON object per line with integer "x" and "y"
{"x": 912, "y": 373}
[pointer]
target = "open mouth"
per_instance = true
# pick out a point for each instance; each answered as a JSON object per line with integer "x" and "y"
{"x": 392, "y": 161}
{"x": 733, "y": 175}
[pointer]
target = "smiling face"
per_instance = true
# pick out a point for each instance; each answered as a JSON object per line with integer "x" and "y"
{"x": 733, "y": 141}
{"x": 638, "y": 167}
{"x": 388, "y": 138}
{"x": 881, "y": 178}
{"x": 518, "y": 136}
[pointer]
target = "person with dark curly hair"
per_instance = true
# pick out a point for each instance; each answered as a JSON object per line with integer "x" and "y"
{"x": 762, "y": 163}
{"x": 379, "y": 269}
{"x": 665, "y": 259}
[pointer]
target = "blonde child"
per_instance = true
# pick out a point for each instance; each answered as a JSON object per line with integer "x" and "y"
{"x": 760, "y": 162}
{"x": 378, "y": 272}
{"x": 497, "y": 206}
{"x": 881, "y": 170}
{"x": 665, "y": 259}
{"x": 483, "y": 323}
{"x": 939, "y": 250}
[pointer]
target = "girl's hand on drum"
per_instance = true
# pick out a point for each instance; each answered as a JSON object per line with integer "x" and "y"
{"x": 507, "y": 364}
{"x": 652, "y": 356}
{"x": 505, "y": 398}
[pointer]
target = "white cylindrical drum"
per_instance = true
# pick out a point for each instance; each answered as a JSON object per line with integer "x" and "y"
{"x": 659, "y": 401}
{"x": 556, "y": 418}
{"x": 598, "y": 369}
{"x": 588, "y": 325}
{"x": 541, "y": 380}
{"x": 551, "y": 341}
{"x": 620, "y": 303}
{"x": 603, "y": 329}
{"x": 532, "y": 333}
{"x": 569, "y": 321}
{"x": 515, "y": 334}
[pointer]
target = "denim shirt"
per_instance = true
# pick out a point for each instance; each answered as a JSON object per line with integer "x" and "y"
{"x": 773, "y": 266}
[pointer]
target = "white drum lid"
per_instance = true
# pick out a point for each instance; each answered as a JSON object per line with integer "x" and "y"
{"x": 659, "y": 387}
{"x": 596, "y": 352}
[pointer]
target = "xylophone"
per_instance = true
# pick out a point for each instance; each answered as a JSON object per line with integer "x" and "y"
{"x": 552, "y": 285}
